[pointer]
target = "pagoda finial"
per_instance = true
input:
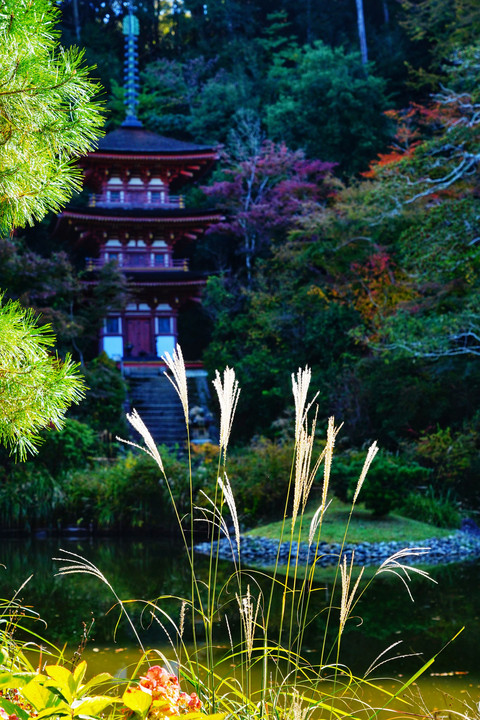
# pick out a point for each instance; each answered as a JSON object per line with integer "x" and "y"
{"x": 131, "y": 30}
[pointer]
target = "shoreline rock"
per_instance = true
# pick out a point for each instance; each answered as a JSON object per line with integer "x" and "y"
{"x": 459, "y": 546}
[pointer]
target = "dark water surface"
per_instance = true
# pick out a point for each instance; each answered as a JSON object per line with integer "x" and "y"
{"x": 148, "y": 569}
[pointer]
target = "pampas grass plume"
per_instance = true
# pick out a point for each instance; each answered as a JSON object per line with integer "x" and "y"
{"x": 228, "y": 393}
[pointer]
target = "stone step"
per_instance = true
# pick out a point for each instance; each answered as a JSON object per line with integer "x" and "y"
{"x": 159, "y": 406}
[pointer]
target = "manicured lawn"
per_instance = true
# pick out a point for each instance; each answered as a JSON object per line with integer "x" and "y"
{"x": 363, "y": 527}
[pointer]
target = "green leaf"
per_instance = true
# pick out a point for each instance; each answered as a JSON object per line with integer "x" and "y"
{"x": 137, "y": 700}
{"x": 16, "y": 680}
{"x": 97, "y": 680}
{"x": 13, "y": 709}
{"x": 92, "y": 706}
{"x": 61, "y": 711}
{"x": 6, "y": 680}
{"x": 64, "y": 681}
{"x": 37, "y": 695}
{"x": 79, "y": 674}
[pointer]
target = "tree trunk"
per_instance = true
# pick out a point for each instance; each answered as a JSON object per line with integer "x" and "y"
{"x": 76, "y": 20}
{"x": 386, "y": 14}
{"x": 362, "y": 36}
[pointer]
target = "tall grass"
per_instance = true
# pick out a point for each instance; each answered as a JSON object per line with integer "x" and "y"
{"x": 264, "y": 672}
{"x": 267, "y": 670}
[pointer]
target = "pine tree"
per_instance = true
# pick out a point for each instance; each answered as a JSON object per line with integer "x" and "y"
{"x": 36, "y": 388}
{"x": 48, "y": 113}
{"x": 48, "y": 117}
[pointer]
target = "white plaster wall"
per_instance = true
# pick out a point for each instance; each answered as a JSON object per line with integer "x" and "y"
{"x": 165, "y": 343}
{"x": 113, "y": 346}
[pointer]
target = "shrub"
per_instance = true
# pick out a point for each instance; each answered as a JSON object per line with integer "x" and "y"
{"x": 389, "y": 479}
{"x": 68, "y": 448}
{"x": 452, "y": 457}
{"x": 127, "y": 493}
{"x": 437, "y": 509}
{"x": 262, "y": 475}
{"x": 29, "y": 497}
{"x": 103, "y": 407}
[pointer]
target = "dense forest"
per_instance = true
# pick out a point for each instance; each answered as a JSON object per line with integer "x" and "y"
{"x": 349, "y": 137}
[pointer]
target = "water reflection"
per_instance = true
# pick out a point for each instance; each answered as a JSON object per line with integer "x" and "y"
{"x": 152, "y": 568}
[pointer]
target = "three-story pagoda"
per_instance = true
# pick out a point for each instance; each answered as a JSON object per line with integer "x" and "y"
{"x": 136, "y": 217}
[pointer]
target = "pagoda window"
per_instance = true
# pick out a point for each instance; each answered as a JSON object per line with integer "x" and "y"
{"x": 139, "y": 259}
{"x": 160, "y": 259}
{"x": 136, "y": 255}
{"x": 156, "y": 192}
{"x": 136, "y": 191}
{"x": 113, "y": 325}
{"x": 112, "y": 340}
{"x": 165, "y": 332}
{"x": 164, "y": 325}
{"x": 115, "y": 192}
{"x": 157, "y": 197}
{"x": 136, "y": 259}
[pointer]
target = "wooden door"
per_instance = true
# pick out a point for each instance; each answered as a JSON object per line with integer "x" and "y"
{"x": 138, "y": 341}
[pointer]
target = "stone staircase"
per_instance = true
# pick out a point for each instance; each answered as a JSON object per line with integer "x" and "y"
{"x": 155, "y": 399}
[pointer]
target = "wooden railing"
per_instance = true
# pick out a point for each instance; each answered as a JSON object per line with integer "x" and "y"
{"x": 136, "y": 200}
{"x": 133, "y": 262}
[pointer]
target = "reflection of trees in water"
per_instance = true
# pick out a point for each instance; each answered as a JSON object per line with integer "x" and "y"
{"x": 146, "y": 570}
{"x": 135, "y": 569}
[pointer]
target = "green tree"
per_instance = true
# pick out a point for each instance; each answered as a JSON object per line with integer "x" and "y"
{"x": 47, "y": 117}
{"x": 439, "y": 27}
{"x": 429, "y": 184}
{"x": 36, "y": 388}
{"x": 323, "y": 101}
{"x": 52, "y": 287}
{"x": 48, "y": 114}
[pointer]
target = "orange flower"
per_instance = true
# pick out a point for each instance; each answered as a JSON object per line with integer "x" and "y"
{"x": 166, "y": 696}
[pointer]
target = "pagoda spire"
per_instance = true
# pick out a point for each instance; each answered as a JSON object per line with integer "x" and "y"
{"x": 131, "y": 30}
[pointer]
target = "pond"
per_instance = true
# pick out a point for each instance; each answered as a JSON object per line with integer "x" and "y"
{"x": 150, "y": 568}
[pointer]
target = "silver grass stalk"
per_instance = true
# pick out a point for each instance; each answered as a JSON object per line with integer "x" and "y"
{"x": 228, "y": 394}
{"x": 230, "y": 500}
{"x": 311, "y": 473}
{"x": 214, "y": 516}
{"x": 304, "y": 473}
{"x": 248, "y": 613}
{"x": 176, "y": 366}
{"x": 303, "y": 456}
{"x": 378, "y": 662}
{"x": 347, "y": 596}
{"x": 394, "y": 565}
{"x": 181, "y": 624}
{"x": 327, "y": 455}
{"x": 229, "y": 633}
{"x": 331, "y": 435}
{"x": 80, "y": 565}
{"x": 164, "y": 628}
{"x": 372, "y": 451}
{"x": 150, "y": 447}
{"x": 309, "y": 482}
{"x": 297, "y": 711}
{"x": 300, "y": 386}
{"x": 316, "y": 521}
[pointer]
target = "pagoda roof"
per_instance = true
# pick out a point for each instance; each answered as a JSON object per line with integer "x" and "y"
{"x": 137, "y": 140}
{"x": 139, "y": 214}
{"x": 125, "y": 218}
